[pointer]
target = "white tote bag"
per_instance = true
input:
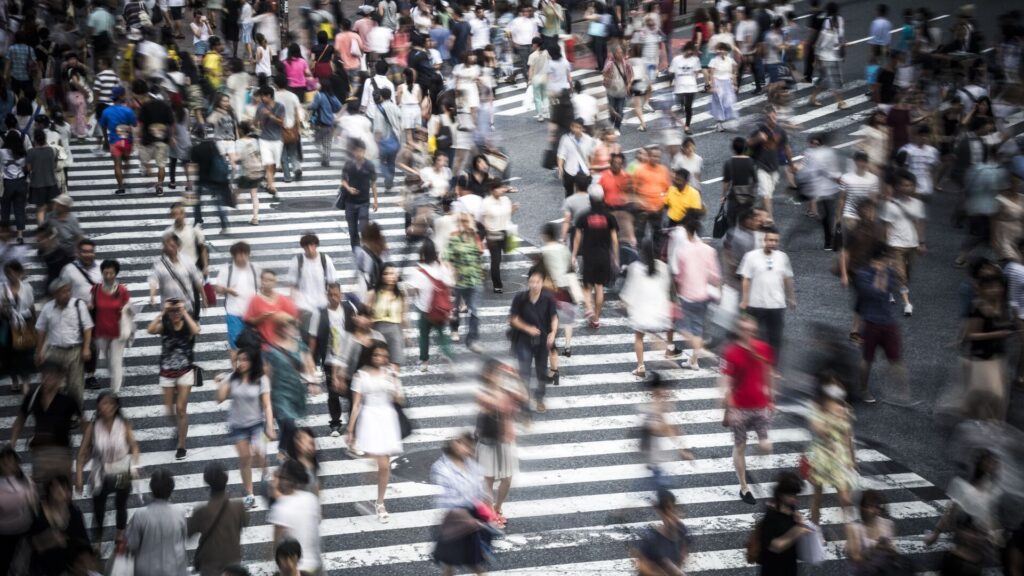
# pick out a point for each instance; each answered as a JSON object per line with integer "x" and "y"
{"x": 528, "y": 104}
{"x": 811, "y": 546}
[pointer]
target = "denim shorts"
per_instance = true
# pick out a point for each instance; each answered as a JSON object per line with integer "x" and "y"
{"x": 692, "y": 321}
{"x": 235, "y": 326}
{"x": 250, "y": 433}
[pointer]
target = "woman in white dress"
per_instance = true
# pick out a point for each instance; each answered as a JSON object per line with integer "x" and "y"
{"x": 646, "y": 295}
{"x": 410, "y": 100}
{"x": 374, "y": 421}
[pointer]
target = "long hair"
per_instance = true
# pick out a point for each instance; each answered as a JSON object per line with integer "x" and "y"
{"x": 395, "y": 289}
{"x": 647, "y": 256}
{"x": 15, "y": 143}
{"x": 255, "y": 365}
{"x": 294, "y": 51}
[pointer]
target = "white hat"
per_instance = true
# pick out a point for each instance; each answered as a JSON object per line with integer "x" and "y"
{"x": 596, "y": 192}
{"x": 64, "y": 200}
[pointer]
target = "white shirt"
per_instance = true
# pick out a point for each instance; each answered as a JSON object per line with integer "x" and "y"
{"x": 311, "y": 288}
{"x": 382, "y": 83}
{"x": 857, "y": 189}
{"x": 191, "y": 238}
{"x": 292, "y": 107}
{"x": 585, "y": 107}
{"x": 902, "y": 215}
{"x": 82, "y": 278}
{"x": 921, "y": 160}
{"x": 686, "y": 71}
{"x": 244, "y": 280}
{"x": 722, "y": 68}
{"x": 767, "y": 274}
{"x": 335, "y": 331}
{"x": 378, "y": 40}
{"x": 468, "y": 203}
{"x": 575, "y": 154}
{"x": 558, "y": 72}
{"x": 746, "y": 35}
{"x": 424, "y": 286}
{"x": 523, "y": 30}
{"x": 480, "y": 28}
{"x": 299, "y": 515}
{"x": 200, "y": 32}
{"x": 62, "y": 324}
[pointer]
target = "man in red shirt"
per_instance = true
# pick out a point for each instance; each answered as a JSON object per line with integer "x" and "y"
{"x": 748, "y": 395}
{"x": 267, "y": 307}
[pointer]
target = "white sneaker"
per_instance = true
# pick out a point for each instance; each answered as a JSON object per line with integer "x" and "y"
{"x": 382, "y": 514}
{"x": 908, "y": 310}
{"x": 455, "y": 337}
{"x": 892, "y": 299}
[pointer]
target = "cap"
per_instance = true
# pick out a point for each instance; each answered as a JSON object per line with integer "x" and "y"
{"x": 64, "y": 200}
{"x": 116, "y": 92}
{"x": 596, "y": 192}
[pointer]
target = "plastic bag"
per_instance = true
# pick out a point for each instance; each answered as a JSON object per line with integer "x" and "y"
{"x": 811, "y": 546}
{"x": 528, "y": 103}
{"x": 123, "y": 565}
{"x": 511, "y": 239}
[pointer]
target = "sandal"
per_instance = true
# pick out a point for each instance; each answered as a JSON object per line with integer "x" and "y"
{"x": 500, "y": 522}
{"x": 639, "y": 373}
{"x": 553, "y": 377}
{"x": 382, "y": 514}
{"x": 254, "y": 222}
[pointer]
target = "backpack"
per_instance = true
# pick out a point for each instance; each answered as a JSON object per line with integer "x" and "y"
{"x": 323, "y": 264}
{"x": 440, "y": 300}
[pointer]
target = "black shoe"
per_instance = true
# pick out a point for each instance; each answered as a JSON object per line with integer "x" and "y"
{"x": 673, "y": 352}
{"x": 553, "y": 376}
{"x": 75, "y": 422}
{"x": 91, "y": 383}
{"x": 567, "y": 351}
{"x": 748, "y": 497}
{"x": 159, "y": 191}
{"x": 179, "y": 454}
{"x": 298, "y": 174}
{"x": 119, "y": 191}
{"x": 21, "y": 240}
{"x": 498, "y": 290}
{"x": 324, "y": 163}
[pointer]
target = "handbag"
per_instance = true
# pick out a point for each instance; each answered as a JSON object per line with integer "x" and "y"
{"x": 322, "y": 68}
{"x": 23, "y": 336}
{"x": 211, "y": 294}
{"x": 122, "y": 565}
{"x": 198, "y": 376}
{"x": 120, "y": 471}
{"x": 290, "y": 135}
{"x": 206, "y": 533}
{"x": 721, "y": 224}
{"x": 404, "y": 424}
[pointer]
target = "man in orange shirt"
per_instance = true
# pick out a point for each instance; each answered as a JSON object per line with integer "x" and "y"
{"x": 651, "y": 181}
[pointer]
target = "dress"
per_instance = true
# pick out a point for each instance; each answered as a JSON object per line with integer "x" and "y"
{"x": 647, "y": 297}
{"x": 829, "y": 454}
{"x": 377, "y": 428}
{"x": 412, "y": 116}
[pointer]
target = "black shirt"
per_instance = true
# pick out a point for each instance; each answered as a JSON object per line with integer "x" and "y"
{"x": 766, "y": 153}
{"x": 59, "y": 560}
{"x": 537, "y": 314}
{"x": 53, "y": 422}
{"x": 470, "y": 182}
{"x": 361, "y": 177}
{"x": 460, "y": 32}
{"x": 774, "y": 525}
{"x": 887, "y": 86}
{"x": 739, "y": 171}
{"x": 156, "y": 119}
{"x": 205, "y": 155}
{"x": 658, "y": 548}
{"x": 596, "y": 226}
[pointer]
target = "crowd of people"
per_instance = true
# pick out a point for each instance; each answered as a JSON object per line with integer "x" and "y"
{"x": 401, "y": 97}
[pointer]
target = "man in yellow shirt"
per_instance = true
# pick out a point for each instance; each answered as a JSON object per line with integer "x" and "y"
{"x": 681, "y": 197}
{"x": 212, "y": 63}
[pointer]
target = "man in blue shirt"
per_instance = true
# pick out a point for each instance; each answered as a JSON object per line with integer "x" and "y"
{"x": 881, "y": 30}
{"x": 119, "y": 121}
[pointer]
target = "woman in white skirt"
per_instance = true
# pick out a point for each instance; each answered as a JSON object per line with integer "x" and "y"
{"x": 500, "y": 399}
{"x": 723, "y": 87}
{"x": 410, "y": 99}
{"x": 374, "y": 421}
{"x": 647, "y": 296}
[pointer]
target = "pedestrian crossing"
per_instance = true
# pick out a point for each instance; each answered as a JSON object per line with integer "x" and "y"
{"x": 583, "y": 493}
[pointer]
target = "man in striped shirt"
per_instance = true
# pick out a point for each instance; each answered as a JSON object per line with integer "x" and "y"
{"x": 102, "y": 86}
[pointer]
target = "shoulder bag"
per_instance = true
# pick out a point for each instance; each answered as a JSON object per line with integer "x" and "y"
{"x": 206, "y": 533}
{"x": 323, "y": 68}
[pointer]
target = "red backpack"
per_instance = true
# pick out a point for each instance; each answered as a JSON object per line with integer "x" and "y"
{"x": 440, "y": 301}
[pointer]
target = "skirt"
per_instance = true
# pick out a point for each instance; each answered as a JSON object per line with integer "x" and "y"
{"x": 412, "y": 117}
{"x": 246, "y": 37}
{"x": 43, "y": 195}
{"x": 395, "y": 339}
{"x": 831, "y": 75}
{"x": 722, "y": 102}
{"x": 377, "y": 430}
{"x": 497, "y": 461}
{"x": 469, "y": 549}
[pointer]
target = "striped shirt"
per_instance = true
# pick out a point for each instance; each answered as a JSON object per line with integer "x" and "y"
{"x": 857, "y": 188}
{"x": 104, "y": 83}
{"x": 1015, "y": 276}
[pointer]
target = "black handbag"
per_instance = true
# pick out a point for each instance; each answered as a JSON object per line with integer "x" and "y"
{"x": 339, "y": 202}
{"x": 404, "y": 424}
{"x": 721, "y": 225}
{"x": 550, "y": 160}
{"x": 198, "y": 373}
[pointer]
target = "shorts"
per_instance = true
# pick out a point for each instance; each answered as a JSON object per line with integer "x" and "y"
{"x": 177, "y": 12}
{"x": 246, "y": 37}
{"x": 155, "y": 153}
{"x": 226, "y": 148}
{"x": 692, "y": 322}
{"x": 43, "y": 195}
{"x": 745, "y": 420}
{"x": 766, "y": 182}
{"x": 831, "y": 75}
{"x": 121, "y": 149}
{"x": 270, "y": 152}
{"x": 250, "y": 433}
{"x": 235, "y": 327}
{"x": 201, "y": 47}
{"x": 885, "y": 335}
{"x": 773, "y": 71}
{"x": 186, "y": 379}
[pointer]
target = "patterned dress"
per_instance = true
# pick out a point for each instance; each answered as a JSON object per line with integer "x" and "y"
{"x": 831, "y": 463}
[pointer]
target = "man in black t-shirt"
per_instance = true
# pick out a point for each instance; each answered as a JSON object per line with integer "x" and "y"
{"x": 769, "y": 145}
{"x": 156, "y": 121}
{"x": 534, "y": 321}
{"x": 739, "y": 181}
{"x": 358, "y": 184}
{"x": 54, "y": 415}
{"x": 213, "y": 173}
{"x": 597, "y": 241}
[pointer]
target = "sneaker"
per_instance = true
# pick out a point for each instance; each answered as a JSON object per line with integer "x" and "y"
{"x": 498, "y": 290}
{"x": 159, "y": 191}
{"x": 455, "y": 337}
{"x": 901, "y": 401}
{"x": 748, "y": 497}
{"x": 475, "y": 348}
{"x": 567, "y": 351}
{"x": 249, "y": 501}
{"x": 892, "y": 299}
{"x": 179, "y": 454}
{"x": 335, "y": 432}
{"x": 673, "y": 352}
{"x": 541, "y": 408}
{"x": 908, "y": 309}
{"x": 119, "y": 191}
{"x": 91, "y": 383}
{"x": 382, "y": 514}
{"x": 172, "y": 185}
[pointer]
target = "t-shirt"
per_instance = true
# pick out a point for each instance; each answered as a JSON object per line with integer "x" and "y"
{"x": 747, "y": 371}
{"x": 685, "y": 70}
{"x": 52, "y": 423}
{"x": 767, "y": 274}
{"x": 766, "y": 153}
{"x": 679, "y": 202}
{"x": 558, "y": 75}
{"x": 287, "y": 390}
{"x": 920, "y": 161}
{"x": 615, "y": 187}
{"x": 156, "y": 118}
{"x": 857, "y": 189}
{"x": 270, "y": 129}
{"x": 774, "y": 525}
{"x": 739, "y": 171}
{"x": 360, "y": 177}
{"x": 576, "y": 205}
{"x": 245, "y": 281}
{"x": 652, "y": 183}
{"x": 259, "y": 306}
{"x": 206, "y": 156}
{"x": 902, "y": 215}
{"x": 299, "y": 514}
{"x": 658, "y": 548}
{"x": 597, "y": 228}
{"x": 246, "y": 408}
{"x": 722, "y": 68}
{"x": 175, "y": 349}
{"x": 42, "y": 164}
{"x": 118, "y": 120}
{"x": 537, "y": 314}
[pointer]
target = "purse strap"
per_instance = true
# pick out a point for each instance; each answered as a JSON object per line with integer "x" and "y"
{"x": 216, "y": 520}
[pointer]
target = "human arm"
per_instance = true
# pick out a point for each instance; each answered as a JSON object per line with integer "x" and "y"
{"x": 522, "y": 326}
{"x": 84, "y": 450}
{"x": 790, "y": 292}
{"x": 745, "y": 293}
{"x": 787, "y": 540}
{"x": 268, "y": 415}
{"x": 156, "y": 324}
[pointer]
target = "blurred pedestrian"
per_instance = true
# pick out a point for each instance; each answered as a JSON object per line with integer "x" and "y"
{"x": 780, "y": 529}
{"x": 500, "y": 399}
{"x": 295, "y": 514}
{"x": 250, "y": 415}
{"x": 831, "y": 458}
{"x": 463, "y": 537}
{"x": 597, "y": 242}
{"x": 663, "y": 548}
{"x": 646, "y": 295}
{"x": 18, "y": 499}
{"x": 54, "y": 415}
{"x": 58, "y": 531}
{"x": 697, "y": 281}
{"x": 219, "y": 523}
{"x": 158, "y": 533}
{"x": 431, "y": 283}
{"x": 533, "y": 318}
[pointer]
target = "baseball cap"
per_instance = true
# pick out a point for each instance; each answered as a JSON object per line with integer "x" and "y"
{"x": 116, "y": 92}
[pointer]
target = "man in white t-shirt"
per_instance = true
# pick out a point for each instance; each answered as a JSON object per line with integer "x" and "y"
{"x": 237, "y": 282}
{"x": 310, "y": 273}
{"x": 584, "y": 106}
{"x": 685, "y": 69}
{"x": 192, "y": 240}
{"x": 904, "y": 217}
{"x": 746, "y": 31}
{"x": 378, "y": 42}
{"x": 328, "y": 341}
{"x": 296, "y": 514}
{"x": 480, "y": 29}
{"x": 521, "y": 32}
{"x": 855, "y": 187}
{"x": 767, "y": 289}
{"x": 293, "y": 114}
{"x": 922, "y": 160}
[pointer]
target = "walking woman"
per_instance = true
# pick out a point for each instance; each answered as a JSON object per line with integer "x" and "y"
{"x": 568, "y": 293}
{"x": 374, "y": 422}
{"x": 430, "y": 275}
{"x": 15, "y": 194}
{"x": 249, "y": 414}
{"x": 412, "y": 103}
{"x": 869, "y": 538}
{"x": 647, "y": 296}
{"x": 109, "y": 299}
{"x": 390, "y": 310}
{"x": 178, "y": 333}
{"x": 18, "y": 504}
{"x": 986, "y": 330}
{"x": 296, "y": 71}
{"x": 723, "y": 87}
{"x": 500, "y": 399}
{"x": 17, "y": 311}
{"x": 58, "y": 531}
{"x": 250, "y": 171}
{"x": 354, "y": 356}
{"x": 110, "y": 445}
{"x": 829, "y": 51}
{"x": 831, "y": 458}
{"x": 463, "y": 536}
{"x": 617, "y": 78}
{"x": 496, "y": 212}
{"x": 780, "y": 528}
{"x": 640, "y": 85}
{"x": 663, "y": 548}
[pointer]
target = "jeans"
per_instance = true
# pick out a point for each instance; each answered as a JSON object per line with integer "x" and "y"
{"x": 469, "y": 295}
{"x": 291, "y": 160}
{"x": 827, "y": 211}
{"x": 685, "y": 101}
{"x": 523, "y": 55}
{"x": 99, "y": 504}
{"x": 334, "y": 399}
{"x": 219, "y": 193}
{"x": 387, "y": 169}
{"x": 425, "y": 326}
{"x": 756, "y": 67}
{"x": 770, "y": 322}
{"x": 536, "y": 354}
{"x": 496, "y": 247}
{"x": 15, "y": 197}
{"x": 356, "y": 215}
{"x": 618, "y": 107}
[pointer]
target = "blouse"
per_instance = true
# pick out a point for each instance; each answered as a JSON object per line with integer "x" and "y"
{"x": 496, "y": 213}
{"x": 387, "y": 307}
{"x": 108, "y": 311}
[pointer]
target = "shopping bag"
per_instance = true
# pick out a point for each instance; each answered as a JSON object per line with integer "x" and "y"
{"x": 123, "y": 565}
{"x": 511, "y": 239}
{"x": 528, "y": 104}
{"x": 811, "y": 546}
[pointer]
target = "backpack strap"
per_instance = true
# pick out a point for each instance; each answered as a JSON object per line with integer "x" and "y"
{"x": 323, "y": 266}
